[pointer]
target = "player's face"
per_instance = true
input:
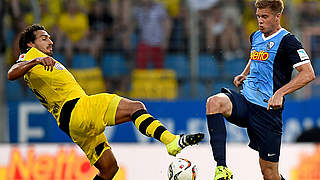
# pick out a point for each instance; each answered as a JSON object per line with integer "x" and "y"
{"x": 42, "y": 42}
{"x": 268, "y": 22}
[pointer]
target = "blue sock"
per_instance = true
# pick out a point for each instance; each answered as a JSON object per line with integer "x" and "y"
{"x": 218, "y": 134}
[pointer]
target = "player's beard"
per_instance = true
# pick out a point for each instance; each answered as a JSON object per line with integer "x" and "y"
{"x": 50, "y": 53}
{"x": 48, "y": 50}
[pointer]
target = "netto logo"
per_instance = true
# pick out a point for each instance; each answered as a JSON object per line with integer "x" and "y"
{"x": 260, "y": 56}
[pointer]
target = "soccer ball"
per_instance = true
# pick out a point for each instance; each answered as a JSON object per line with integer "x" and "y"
{"x": 182, "y": 169}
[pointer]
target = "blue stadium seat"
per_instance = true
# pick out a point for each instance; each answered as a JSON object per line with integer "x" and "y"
{"x": 234, "y": 67}
{"x": 9, "y": 37}
{"x": 134, "y": 40}
{"x": 83, "y": 61}
{"x": 185, "y": 91}
{"x": 315, "y": 90}
{"x": 208, "y": 67}
{"x": 114, "y": 65}
{"x": 60, "y": 57}
{"x": 316, "y": 66}
{"x": 290, "y": 96}
{"x": 180, "y": 64}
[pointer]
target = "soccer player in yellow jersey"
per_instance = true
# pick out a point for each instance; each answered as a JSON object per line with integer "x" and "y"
{"x": 84, "y": 118}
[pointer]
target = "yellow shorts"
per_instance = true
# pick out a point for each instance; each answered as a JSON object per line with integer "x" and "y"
{"x": 88, "y": 121}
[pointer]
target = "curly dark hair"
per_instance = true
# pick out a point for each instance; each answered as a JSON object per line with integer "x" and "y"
{"x": 28, "y": 36}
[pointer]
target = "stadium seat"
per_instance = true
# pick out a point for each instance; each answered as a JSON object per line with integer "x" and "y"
{"x": 83, "y": 61}
{"x": 90, "y": 79}
{"x": 185, "y": 91}
{"x": 290, "y": 96}
{"x": 315, "y": 90}
{"x": 134, "y": 40}
{"x": 316, "y": 66}
{"x": 9, "y": 37}
{"x": 60, "y": 57}
{"x": 180, "y": 64}
{"x": 234, "y": 67}
{"x": 114, "y": 65}
{"x": 154, "y": 84}
{"x": 208, "y": 67}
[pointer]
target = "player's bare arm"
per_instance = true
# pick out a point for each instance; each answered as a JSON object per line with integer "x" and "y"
{"x": 238, "y": 80}
{"x": 19, "y": 69}
{"x": 305, "y": 75}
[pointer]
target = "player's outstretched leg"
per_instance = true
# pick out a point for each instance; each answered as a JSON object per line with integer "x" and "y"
{"x": 182, "y": 141}
{"x": 223, "y": 173}
{"x": 152, "y": 127}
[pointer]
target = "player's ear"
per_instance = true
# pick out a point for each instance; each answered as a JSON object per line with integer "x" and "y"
{"x": 278, "y": 16}
{"x": 30, "y": 44}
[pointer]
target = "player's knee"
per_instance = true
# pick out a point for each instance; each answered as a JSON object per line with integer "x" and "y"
{"x": 109, "y": 173}
{"x": 137, "y": 105}
{"x": 268, "y": 174}
{"x": 214, "y": 104}
{"x": 114, "y": 169}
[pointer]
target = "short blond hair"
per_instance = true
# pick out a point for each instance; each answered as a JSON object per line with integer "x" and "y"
{"x": 276, "y": 6}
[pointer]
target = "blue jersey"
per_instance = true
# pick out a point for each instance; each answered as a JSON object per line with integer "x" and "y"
{"x": 272, "y": 62}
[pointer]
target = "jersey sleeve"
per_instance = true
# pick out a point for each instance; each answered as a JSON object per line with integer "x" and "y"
{"x": 21, "y": 58}
{"x": 251, "y": 37}
{"x": 33, "y": 53}
{"x": 295, "y": 52}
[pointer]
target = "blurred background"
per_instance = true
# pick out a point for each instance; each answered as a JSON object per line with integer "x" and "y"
{"x": 171, "y": 54}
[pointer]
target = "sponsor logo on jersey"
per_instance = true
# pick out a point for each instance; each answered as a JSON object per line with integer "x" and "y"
{"x": 303, "y": 55}
{"x": 59, "y": 66}
{"x": 21, "y": 57}
{"x": 260, "y": 56}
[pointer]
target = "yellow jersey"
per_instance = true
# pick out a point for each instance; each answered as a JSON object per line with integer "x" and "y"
{"x": 54, "y": 88}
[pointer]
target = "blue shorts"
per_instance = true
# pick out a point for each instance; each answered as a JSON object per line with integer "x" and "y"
{"x": 264, "y": 127}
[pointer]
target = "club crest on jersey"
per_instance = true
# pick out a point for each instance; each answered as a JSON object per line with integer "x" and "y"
{"x": 260, "y": 56}
{"x": 270, "y": 45}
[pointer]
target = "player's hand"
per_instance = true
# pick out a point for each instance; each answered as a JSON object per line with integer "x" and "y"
{"x": 238, "y": 80}
{"x": 47, "y": 62}
{"x": 275, "y": 102}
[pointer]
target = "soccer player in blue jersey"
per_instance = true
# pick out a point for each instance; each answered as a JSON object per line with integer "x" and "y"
{"x": 266, "y": 79}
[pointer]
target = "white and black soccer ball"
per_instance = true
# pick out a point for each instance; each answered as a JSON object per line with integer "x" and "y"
{"x": 182, "y": 169}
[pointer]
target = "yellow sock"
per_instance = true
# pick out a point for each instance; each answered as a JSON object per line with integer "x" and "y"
{"x": 167, "y": 137}
{"x": 151, "y": 127}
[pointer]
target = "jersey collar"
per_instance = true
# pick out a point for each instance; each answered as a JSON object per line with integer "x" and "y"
{"x": 273, "y": 35}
